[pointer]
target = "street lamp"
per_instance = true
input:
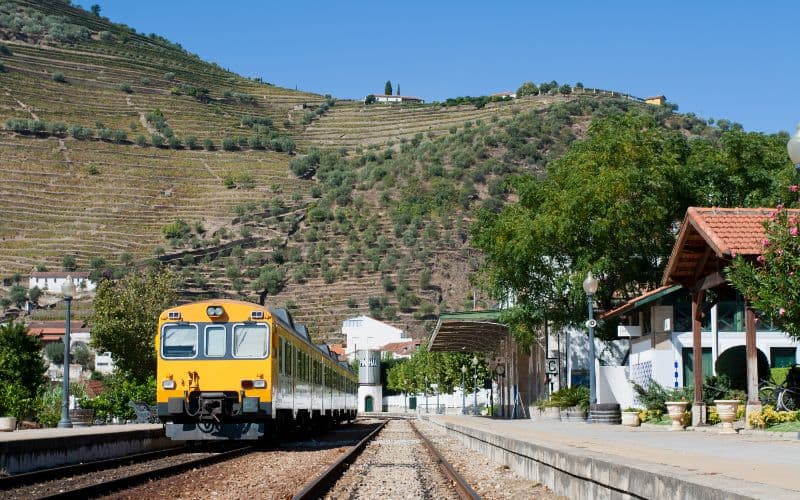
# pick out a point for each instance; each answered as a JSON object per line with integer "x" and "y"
{"x": 475, "y": 381}
{"x": 463, "y": 390}
{"x": 590, "y": 285}
{"x": 793, "y": 147}
{"x": 67, "y": 290}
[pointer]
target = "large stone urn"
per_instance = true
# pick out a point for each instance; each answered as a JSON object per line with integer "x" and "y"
{"x": 630, "y": 418}
{"x": 676, "y": 411}
{"x": 726, "y": 409}
{"x": 8, "y": 424}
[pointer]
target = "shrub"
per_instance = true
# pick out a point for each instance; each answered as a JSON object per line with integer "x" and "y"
{"x": 177, "y": 229}
{"x": 569, "y": 397}
{"x": 352, "y": 303}
{"x": 79, "y": 132}
{"x": 141, "y": 140}
{"x": 59, "y": 77}
{"x": 4, "y": 50}
{"x": 768, "y": 417}
{"x": 208, "y": 144}
{"x": 126, "y": 87}
{"x": 169, "y": 76}
{"x": 157, "y": 140}
{"x": 229, "y": 144}
{"x": 2, "y": 66}
{"x": 92, "y": 170}
{"x": 190, "y": 141}
{"x": 175, "y": 142}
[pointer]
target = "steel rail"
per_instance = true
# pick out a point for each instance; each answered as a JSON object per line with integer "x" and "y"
{"x": 132, "y": 480}
{"x": 463, "y": 488}
{"x": 39, "y": 476}
{"x": 317, "y": 487}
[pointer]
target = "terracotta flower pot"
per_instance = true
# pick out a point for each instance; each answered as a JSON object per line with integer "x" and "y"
{"x": 630, "y": 418}
{"x": 676, "y": 410}
{"x": 726, "y": 409}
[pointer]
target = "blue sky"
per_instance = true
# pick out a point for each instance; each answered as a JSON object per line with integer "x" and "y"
{"x": 736, "y": 60}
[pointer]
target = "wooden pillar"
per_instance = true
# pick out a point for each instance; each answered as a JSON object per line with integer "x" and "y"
{"x": 698, "y": 408}
{"x": 752, "y": 354}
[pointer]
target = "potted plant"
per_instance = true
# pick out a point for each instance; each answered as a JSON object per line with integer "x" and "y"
{"x": 676, "y": 411}
{"x": 726, "y": 410}
{"x": 630, "y": 417}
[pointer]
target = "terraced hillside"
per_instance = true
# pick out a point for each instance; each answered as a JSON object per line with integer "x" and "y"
{"x": 123, "y": 150}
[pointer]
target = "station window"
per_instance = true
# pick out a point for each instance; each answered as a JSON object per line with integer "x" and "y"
{"x": 251, "y": 341}
{"x": 179, "y": 341}
{"x": 215, "y": 341}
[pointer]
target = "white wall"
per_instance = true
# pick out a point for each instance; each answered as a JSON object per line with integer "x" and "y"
{"x": 364, "y": 333}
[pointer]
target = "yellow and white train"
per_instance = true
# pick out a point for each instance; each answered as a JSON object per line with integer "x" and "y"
{"x": 237, "y": 370}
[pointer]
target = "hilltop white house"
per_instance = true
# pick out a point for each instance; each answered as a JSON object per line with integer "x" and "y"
{"x": 398, "y": 99}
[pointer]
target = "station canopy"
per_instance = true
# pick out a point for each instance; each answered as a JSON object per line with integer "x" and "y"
{"x": 473, "y": 331}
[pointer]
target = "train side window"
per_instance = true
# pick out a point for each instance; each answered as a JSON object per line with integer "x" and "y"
{"x": 215, "y": 341}
{"x": 251, "y": 341}
{"x": 179, "y": 341}
{"x": 281, "y": 355}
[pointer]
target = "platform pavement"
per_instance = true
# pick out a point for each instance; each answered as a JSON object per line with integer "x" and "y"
{"x": 58, "y": 432}
{"x": 742, "y": 466}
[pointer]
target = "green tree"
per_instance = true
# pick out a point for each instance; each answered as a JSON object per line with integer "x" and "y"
{"x": 527, "y": 88}
{"x": 18, "y": 294}
{"x": 387, "y": 89}
{"x": 370, "y": 99}
{"x": 95, "y": 10}
{"x": 21, "y": 368}
{"x": 772, "y": 283}
{"x": 124, "y": 318}
{"x": 398, "y": 89}
{"x": 630, "y": 181}
{"x": 68, "y": 263}
{"x": 55, "y": 352}
{"x": 34, "y": 294}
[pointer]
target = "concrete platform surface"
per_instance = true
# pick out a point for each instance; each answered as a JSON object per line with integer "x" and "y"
{"x": 751, "y": 466}
{"x": 56, "y": 432}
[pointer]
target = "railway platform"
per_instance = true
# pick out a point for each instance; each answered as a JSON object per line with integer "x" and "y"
{"x": 581, "y": 460}
{"x": 34, "y": 449}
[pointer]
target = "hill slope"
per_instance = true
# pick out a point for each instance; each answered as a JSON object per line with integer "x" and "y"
{"x": 120, "y": 148}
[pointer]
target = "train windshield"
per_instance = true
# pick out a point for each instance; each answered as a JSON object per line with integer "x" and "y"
{"x": 250, "y": 341}
{"x": 179, "y": 341}
{"x": 215, "y": 341}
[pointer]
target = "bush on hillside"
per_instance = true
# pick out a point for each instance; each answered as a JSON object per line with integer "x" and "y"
{"x": 59, "y": 77}
{"x": 126, "y": 87}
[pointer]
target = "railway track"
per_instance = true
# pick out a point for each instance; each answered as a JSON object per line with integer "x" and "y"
{"x": 106, "y": 477}
{"x": 393, "y": 467}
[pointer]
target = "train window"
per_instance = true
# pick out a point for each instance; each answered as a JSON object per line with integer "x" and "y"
{"x": 215, "y": 341}
{"x": 281, "y": 355}
{"x": 179, "y": 341}
{"x": 251, "y": 341}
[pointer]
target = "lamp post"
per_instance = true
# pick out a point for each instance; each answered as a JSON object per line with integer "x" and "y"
{"x": 475, "y": 382}
{"x": 590, "y": 285}
{"x": 793, "y": 147}
{"x": 501, "y": 372}
{"x": 463, "y": 390}
{"x": 67, "y": 290}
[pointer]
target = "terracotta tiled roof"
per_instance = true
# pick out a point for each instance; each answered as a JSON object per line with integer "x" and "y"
{"x": 336, "y": 349}
{"x": 405, "y": 347}
{"x": 727, "y": 232}
{"x": 59, "y": 274}
{"x": 55, "y": 327}
{"x": 640, "y": 300}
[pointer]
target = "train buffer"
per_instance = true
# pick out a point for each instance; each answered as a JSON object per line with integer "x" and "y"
{"x": 145, "y": 414}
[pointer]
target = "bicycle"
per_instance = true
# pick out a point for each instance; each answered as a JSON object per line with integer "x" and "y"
{"x": 782, "y": 396}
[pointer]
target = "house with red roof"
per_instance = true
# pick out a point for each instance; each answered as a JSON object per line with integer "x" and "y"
{"x": 696, "y": 324}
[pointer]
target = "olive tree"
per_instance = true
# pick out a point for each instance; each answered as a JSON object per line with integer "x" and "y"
{"x": 125, "y": 315}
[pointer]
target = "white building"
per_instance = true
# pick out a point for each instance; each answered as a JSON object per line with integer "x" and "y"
{"x": 398, "y": 99}
{"x": 363, "y": 332}
{"x": 50, "y": 282}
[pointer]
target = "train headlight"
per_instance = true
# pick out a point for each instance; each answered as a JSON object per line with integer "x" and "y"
{"x": 254, "y": 384}
{"x": 214, "y": 311}
{"x": 168, "y": 384}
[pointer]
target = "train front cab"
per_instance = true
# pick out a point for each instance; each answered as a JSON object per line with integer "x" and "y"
{"x": 215, "y": 371}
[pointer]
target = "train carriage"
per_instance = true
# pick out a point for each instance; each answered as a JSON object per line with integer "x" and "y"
{"x": 236, "y": 370}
